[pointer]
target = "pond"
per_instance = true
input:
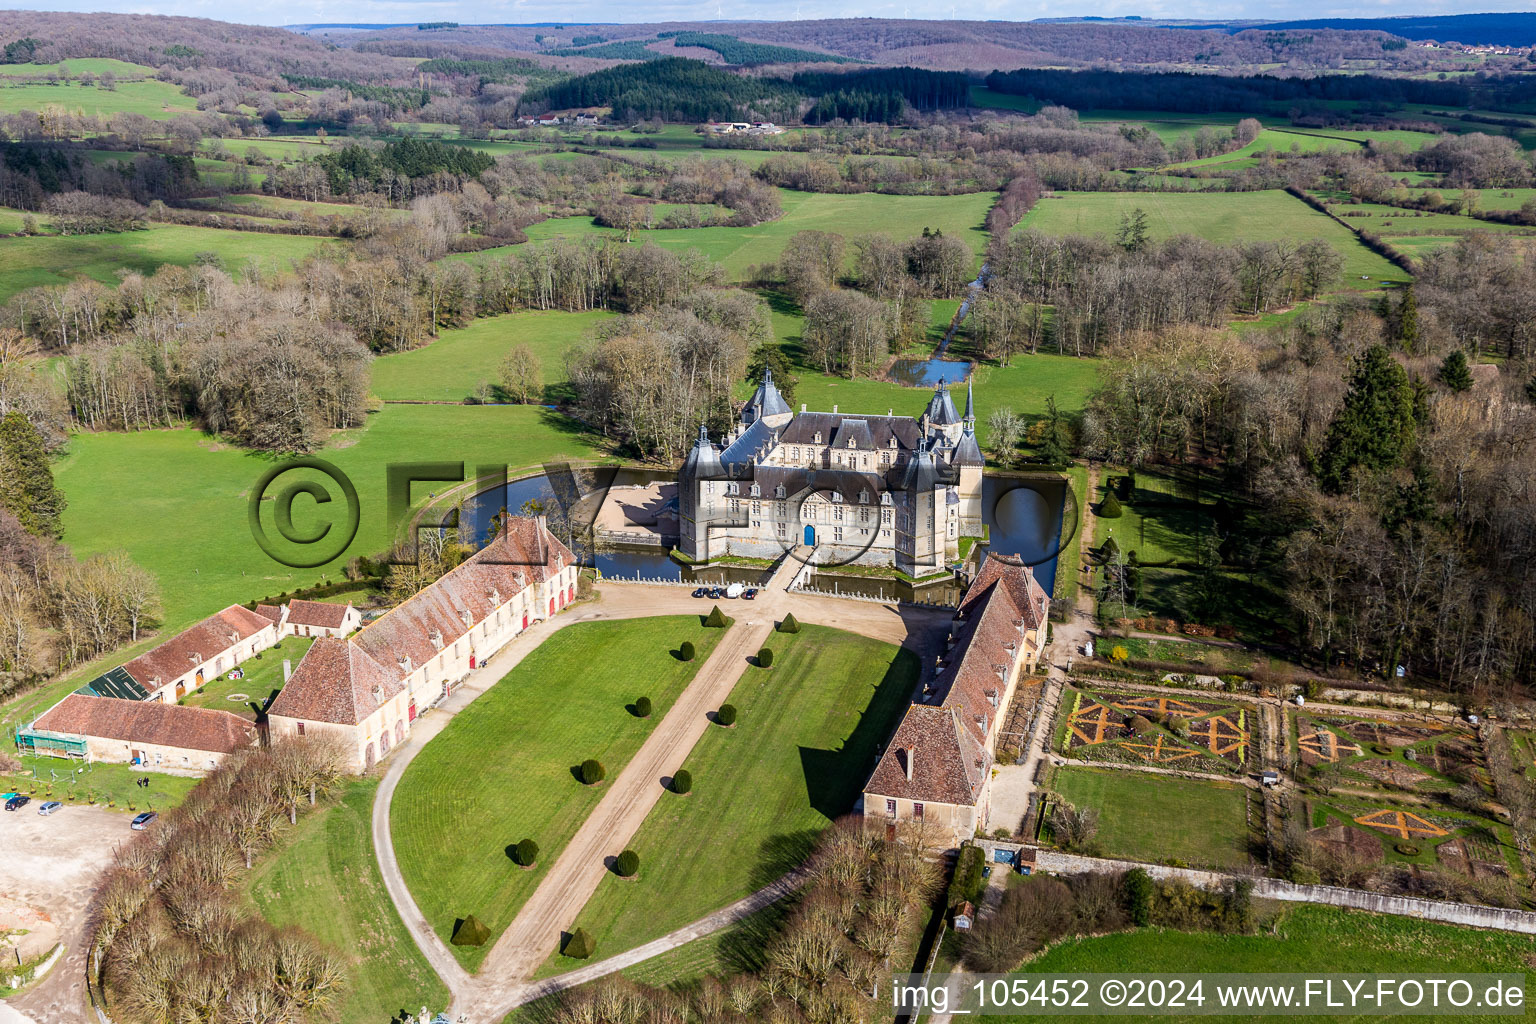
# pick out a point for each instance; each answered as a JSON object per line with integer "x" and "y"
{"x": 1024, "y": 517}
{"x": 925, "y": 373}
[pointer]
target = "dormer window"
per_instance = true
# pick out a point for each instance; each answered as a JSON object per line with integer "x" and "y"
{"x": 817, "y": 438}
{"x": 863, "y": 497}
{"x": 893, "y": 440}
{"x": 436, "y": 636}
{"x": 837, "y": 498}
{"x": 757, "y": 491}
{"x": 850, "y": 442}
{"x": 779, "y": 492}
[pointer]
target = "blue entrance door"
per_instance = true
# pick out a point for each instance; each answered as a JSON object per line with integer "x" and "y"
{"x": 810, "y": 536}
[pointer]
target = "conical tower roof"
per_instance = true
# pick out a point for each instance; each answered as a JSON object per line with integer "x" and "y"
{"x": 766, "y": 400}
{"x": 703, "y": 461}
{"x": 941, "y": 408}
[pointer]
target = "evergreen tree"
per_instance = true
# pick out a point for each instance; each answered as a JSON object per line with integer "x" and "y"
{"x": 1053, "y": 446}
{"x": 1375, "y": 428}
{"x": 1455, "y": 373}
{"x": 1109, "y": 508}
{"x": 27, "y": 490}
{"x": 1405, "y": 321}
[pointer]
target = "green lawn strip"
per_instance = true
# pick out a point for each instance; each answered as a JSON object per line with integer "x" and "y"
{"x": 78, "y": 782}
{"x": 59, "y": 259}
{"x": 190, "y": 494}
{"x": 1395, "y": 221}
{"x": 1159, "y": 818}
{"x": 1023, "y": 385}
{"x": 805, "y": 741}
{"x": 324, "y": 879}
{"x": 452, "y": 367}
{"x": 502, "y": 770}
{"x": 1068, "y": 561}
{"x": 263, "y": 679}
{"x": 1299, "y": 939}
{"x": 1221, "y": 217}
{"x": 849, "y": 215}
{"x": 150, "y": 97}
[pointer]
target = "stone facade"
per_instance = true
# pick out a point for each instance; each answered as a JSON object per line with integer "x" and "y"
{"x": 865, "y": 489}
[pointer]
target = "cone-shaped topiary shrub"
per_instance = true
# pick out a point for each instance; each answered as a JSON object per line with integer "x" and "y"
{"x": 592, "y": 771}
{"x": 726, "y": 715}
{"x": 715, "y": 619}
{"x": 765, "y": 658}
{"x": 526, "y": 853}
{"x": 789, "y": 625}
{"x": 580, "y": 945}
{"x": 1109, "y": 508}
{"x": 627, "y": 863}
{"x": 643, "y": 707}
{"x": 682, "y": 782}
{"x": 470, "y": 932}
{"x": 685, "y": 650}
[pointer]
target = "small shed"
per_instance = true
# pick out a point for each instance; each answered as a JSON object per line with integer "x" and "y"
{"x": 1025, "y": 863}
{"x": 964, "y": 915}
{"x": 1270, "y": 778}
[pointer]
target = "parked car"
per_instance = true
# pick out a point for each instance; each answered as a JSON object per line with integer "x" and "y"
{"x": 716, "y": 593}
{"x": 49, "y": 807}
{"x": 701, "y": 592}
{"x": 17, "y": 802}
{"x": 141, "y": 822}
{"x": 734, "y": 591}
{"x": 751, "y": 594}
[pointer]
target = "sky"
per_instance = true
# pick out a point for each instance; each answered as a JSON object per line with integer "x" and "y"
{"x": 290, "y": 12}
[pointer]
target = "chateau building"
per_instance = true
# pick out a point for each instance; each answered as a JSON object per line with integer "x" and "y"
{"x": 938, "y": 766}
{"x": 872, "y": 490}
{"x": 370, "y": 687}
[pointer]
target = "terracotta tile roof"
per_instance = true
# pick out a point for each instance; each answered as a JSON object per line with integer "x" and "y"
{"x": 148, "y": 722}
{"x": 317, "y": 613}
{"x": 337, "y": 679}
{"x": 1003, "y": 602}
{"x": 271, "y": 612}
{"x": 335, "y": 682}
{"x": 190, "y": 648}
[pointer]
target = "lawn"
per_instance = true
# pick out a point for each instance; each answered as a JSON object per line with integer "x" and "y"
{"x": 520, "y": 741}
{"x": 1023, "y": 385}
{"x": 75, "y": 782}
{"x": 56, "y": 259}
{"x": 149, "y": 97}
{"x": 263, "y": 679}
{"x": 805, "y": 741}
{"x": 1271, "y": 140}
{"x": 460, "y": 361}
{"x": 848, "y": 215}
{"x": 324, "y": 879}
{"x": 1222, "y": 217}
{"x": 1161, "y": 819}
{"x": 1390, "y": 221}
{"x": 1300, "y": 939}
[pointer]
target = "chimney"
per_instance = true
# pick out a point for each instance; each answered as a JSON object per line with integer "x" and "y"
{"x": 802, "y": 407}
{"x": 911, "y": 756}
{"x": 834, "y": 408}
{"x": 405, "y": 664}
{"x": 378, "y": 694}
{"x": 436, "y": 636}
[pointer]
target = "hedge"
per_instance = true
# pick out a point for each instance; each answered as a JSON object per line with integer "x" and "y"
{"x": 968, "y": 882}
{"x": 682, "y": 782}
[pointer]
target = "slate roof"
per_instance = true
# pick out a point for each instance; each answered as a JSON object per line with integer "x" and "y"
{"x": 703, "y": 461}
{"x": 742, "y": 451}
{"x": 941, "y": 408}
{"x": 190, "y": 648}
{"x": 317, "y": 613}
{"x": 345, "y": 681}
{"x": 148, "y": 722}
{"x": 967, "y": 452}
{"x": 805, "y": 426}
{"x": 767, "y": 401}
{"x": 947, "y": 742}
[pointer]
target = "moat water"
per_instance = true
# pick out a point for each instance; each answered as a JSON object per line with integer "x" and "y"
{"x": 1024, "y": 517}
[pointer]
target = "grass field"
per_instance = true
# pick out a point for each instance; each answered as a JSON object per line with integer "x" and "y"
{"x": 189, "y": 495}
{"x": 324, "y": 879}
{"x": 848, "y": 215}
{"x": 1393, "y": 221}
{"x": 459, "y": 361}
{"x": 1300, "y": 939}
{"x": 263, "y": 679}
{"x": 1276, "y": 141}
{"x": 562, "y": 704}
{"x": 804, "y": 743}
{"x": 57, "y": 778}
{"x": 54, "y": 259}
{"x": 1159, "y": 818}
{"x": 1222, "y": 217}
{"x": 149, "y": 97}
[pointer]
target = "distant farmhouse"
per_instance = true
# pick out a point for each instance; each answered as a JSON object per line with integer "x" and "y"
{"x": 872, "y": 490}
{"x": 370, "y": 688}
{"x": 937, "y": 768}
{"x": 744, "y": 128}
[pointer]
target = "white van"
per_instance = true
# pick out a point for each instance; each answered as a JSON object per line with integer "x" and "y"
{"x": 735, "y": 590}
